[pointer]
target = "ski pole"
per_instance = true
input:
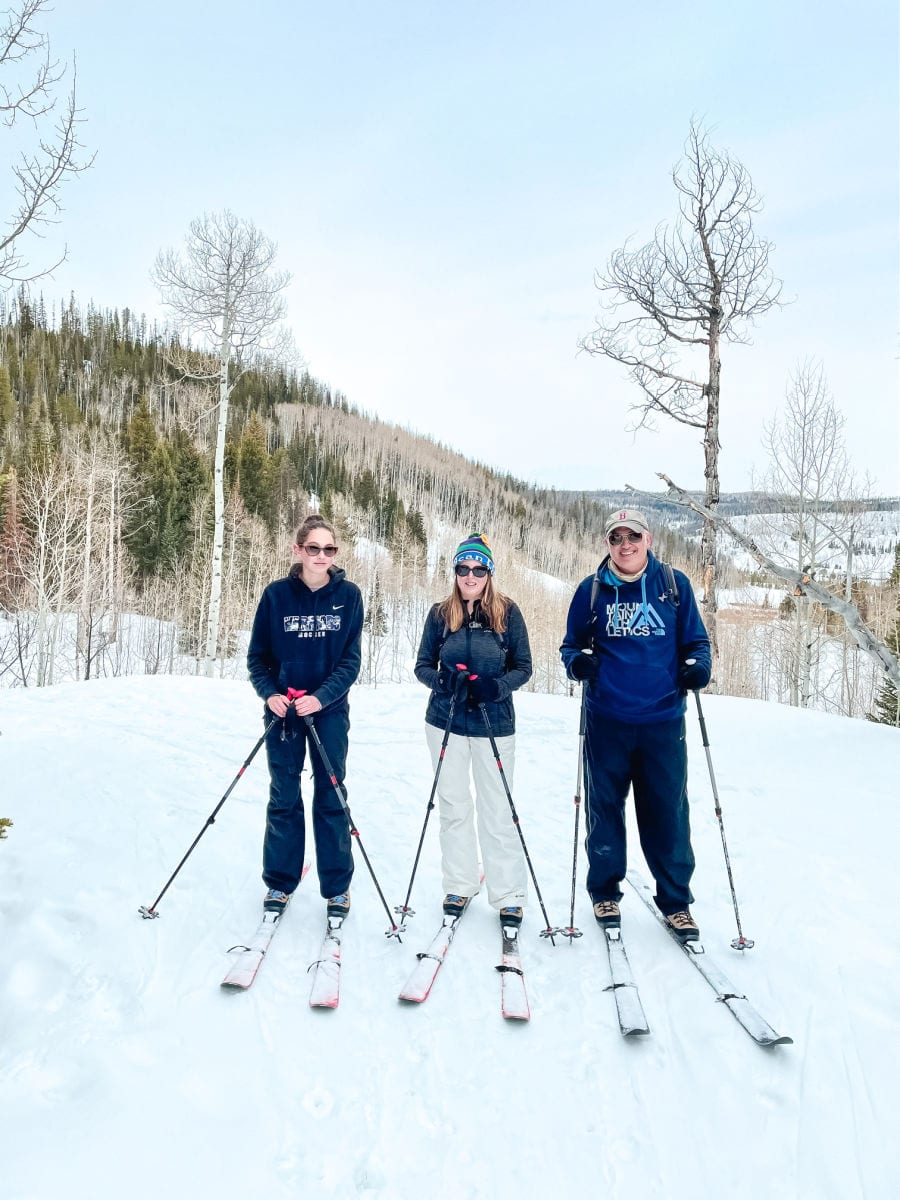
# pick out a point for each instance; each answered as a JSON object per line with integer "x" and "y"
{"x": 403, "y": 909}
{"x": 394, "y": 931}
{"x": 572, "y": 932}
{"x": 548, "y": 931}
{"x": 740, "y": 942}
{"x": 148, "y": 912}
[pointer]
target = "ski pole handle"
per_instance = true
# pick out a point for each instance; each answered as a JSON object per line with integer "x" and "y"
{"x": 462, "y": 679}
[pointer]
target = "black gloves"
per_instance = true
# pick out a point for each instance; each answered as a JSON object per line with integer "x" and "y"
{"x": 453, "y": 682}
{"x": 457, "y": 682}
{"x": 693, "y": 675}
{"x": 484, "y": 690}
{"x": 584, "y": 667}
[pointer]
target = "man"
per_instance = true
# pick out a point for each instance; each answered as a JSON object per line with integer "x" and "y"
{"x": 635, "y": 638}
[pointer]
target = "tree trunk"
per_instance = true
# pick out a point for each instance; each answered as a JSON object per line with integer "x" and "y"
{"x": 82, "y": 638}
{"x": 215, "y": 590}
{"x": 711, "y": 501}
{"x": 113, "y": 548}
{"x": 805, "y": 651}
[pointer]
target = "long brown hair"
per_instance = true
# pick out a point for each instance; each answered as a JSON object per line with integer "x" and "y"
{"x": 313, "y": 521}
{"x": 494, "y": 607}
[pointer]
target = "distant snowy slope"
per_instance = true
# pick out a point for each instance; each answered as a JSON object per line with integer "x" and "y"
{"x": 125, "y": 1071}
{"x": 876, "y": 536}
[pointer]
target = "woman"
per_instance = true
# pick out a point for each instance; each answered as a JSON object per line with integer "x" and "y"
{"x": 306, "y": 638}
{"x": 479, "y": 627}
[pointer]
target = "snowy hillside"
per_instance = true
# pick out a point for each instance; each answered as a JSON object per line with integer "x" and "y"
{"x": 877, "y": 535}
{"x": 128, "y": 1073}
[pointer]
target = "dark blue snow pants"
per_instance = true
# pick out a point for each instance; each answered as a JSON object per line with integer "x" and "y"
{"x": 653, "y": 760}
{"x": 285, "y": 841}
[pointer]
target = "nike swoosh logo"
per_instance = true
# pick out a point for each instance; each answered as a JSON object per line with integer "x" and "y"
{"x": 337, "y": 606}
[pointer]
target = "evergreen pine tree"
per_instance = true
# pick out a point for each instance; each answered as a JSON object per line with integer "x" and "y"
{"x": 13, "y": 541}
{"x": 7, "y": 400}
{"x": 887, "y": 702}
{"x": 150, "y": 533}
{"x": 365, "y": 491}
{"x": 140, "y": 437}
{"x": 375, "y": 621}
{"x": 254, "y": 470}
{"x": 192, "y": 478}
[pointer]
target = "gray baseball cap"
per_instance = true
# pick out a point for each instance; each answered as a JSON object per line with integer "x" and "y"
{"x": 630, "y": 518}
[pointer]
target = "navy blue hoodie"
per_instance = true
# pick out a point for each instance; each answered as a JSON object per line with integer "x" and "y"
{"x": 308, "y": 640}
{"x": 641, "y": 638}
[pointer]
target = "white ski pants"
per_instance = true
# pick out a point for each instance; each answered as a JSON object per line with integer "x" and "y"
{"x": 505, "y": 871}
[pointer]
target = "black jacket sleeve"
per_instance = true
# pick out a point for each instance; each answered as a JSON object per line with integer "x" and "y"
{"x": 261, "y": 663}
{"x": 427, "y": 668}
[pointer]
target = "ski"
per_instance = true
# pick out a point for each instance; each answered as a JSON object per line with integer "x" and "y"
{"x": 326, "y": 984}
{"x": 245, "y": 966}
{"x": 422, "y": 977}
{"x": 243, "y": 969}
{"x": 513, "y": 996}
{"x": 750, "y": 1020}
{"x": 629, "y": 1009}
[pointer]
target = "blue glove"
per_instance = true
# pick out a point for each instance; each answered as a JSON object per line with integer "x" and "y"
{"x": 693, "y": 675}
{"x": 484, "y": 690}
{"x": 584, "y": 667}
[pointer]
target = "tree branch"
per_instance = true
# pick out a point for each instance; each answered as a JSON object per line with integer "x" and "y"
{"x": 803, "y": 583}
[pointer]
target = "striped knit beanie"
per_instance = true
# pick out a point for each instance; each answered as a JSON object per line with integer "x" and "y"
{"x": 475, "y": 547}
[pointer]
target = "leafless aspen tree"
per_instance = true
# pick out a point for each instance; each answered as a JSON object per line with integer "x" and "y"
{"x": 43, "y": 158}
{"x": 667, "y": 306}
{"x": 807, "y": 468}
{"x": 223, "y": 289}
{"x": 52, "y": 507}
{"x": 106, "y": 492}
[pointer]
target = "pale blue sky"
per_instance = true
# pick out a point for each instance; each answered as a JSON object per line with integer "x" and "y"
{"x": 443, "y": 179}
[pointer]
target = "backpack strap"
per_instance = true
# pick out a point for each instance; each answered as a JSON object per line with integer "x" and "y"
{"x": 502, "y": 639}
{"x": 595, "y": 592}
{"x": 672, "y": 585}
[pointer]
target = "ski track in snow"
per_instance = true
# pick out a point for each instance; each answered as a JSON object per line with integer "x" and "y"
{"x": 126, "y": 1070}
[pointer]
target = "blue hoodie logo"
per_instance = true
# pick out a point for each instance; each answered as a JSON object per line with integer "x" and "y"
{"x": 630, "y": 620}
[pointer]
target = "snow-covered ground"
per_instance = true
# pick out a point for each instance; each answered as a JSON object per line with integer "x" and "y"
{"x": 125, "y": 1071}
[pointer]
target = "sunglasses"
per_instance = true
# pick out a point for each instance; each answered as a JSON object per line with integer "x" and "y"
{"x": 462, "y": 570}
{"x": 312, "y": 550}
{"x": 616, "y": 539}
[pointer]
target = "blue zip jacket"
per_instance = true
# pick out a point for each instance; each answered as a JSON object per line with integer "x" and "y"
{"x": 308, "y": 640}
{"x": 504, "y": 657}
{"x": 641, "y": 638}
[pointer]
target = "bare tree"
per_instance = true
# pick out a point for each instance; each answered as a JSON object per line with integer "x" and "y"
{"x": 807, "y": 469}
{"x": 667, "y": 306}
{"x": 223, "y": 289}
{"x": 803, "y": 583}
{"x": 29, "y": 79}
{"x": 106, "y": 490}
{"x": 824, "y": 514}
{"x": 52, "y": 507}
